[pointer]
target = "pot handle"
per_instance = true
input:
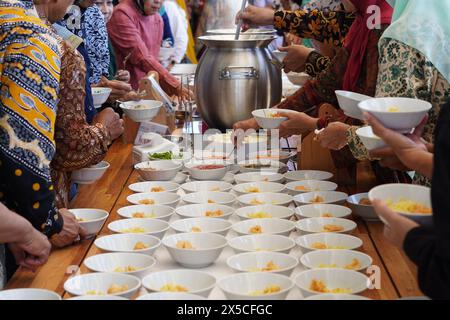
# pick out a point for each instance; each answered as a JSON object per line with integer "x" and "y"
{"x": 238, "y": 73}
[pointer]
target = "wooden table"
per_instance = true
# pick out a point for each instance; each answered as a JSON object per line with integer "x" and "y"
{"x": 398, "y": 274}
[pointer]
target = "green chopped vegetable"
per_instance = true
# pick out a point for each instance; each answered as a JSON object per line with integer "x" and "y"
{"x": 169, "y": 155}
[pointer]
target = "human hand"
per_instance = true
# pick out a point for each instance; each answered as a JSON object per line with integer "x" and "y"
{"x": 119, "y": 88}
{"x": 123, "y": 75}
{"x": 32, "y": 251}
{"x": 111, "y": 121}
{"x": 297, "y": 123}
{"x": 402, "y": 150}
{"x": 334, "y": 136}
{"x": 71, "y": 232}
{"x": 245, "y": 125}
{"x": 255, "y": 16}
{"x": 396, "y": 227}
{"x": 296, "y": 58}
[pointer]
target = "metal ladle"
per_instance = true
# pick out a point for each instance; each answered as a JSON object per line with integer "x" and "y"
{"x": 239, "y": 25}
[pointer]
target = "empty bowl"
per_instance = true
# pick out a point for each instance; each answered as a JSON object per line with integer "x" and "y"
{"x": 369, "y": 139}
{"x": 298, "y": 79}
{"x": 348, "y": 102}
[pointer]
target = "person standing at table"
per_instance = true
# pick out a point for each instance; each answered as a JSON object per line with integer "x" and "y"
{"x": 29, "y": 80}
{"x": 136, "y": 31}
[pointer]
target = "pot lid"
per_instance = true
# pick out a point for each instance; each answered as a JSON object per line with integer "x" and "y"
{"x": 244, "y": 42}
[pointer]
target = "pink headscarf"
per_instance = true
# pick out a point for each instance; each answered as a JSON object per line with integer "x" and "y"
{"x": 358, "y": 38}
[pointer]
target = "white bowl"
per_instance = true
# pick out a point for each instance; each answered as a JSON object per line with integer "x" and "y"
{"x": 259, "y": 177}
{"x": 409, "y": 114}
{"x": 329, "y": 240}
{"x": 268, "y": 119}
{"x": 262, "y": 242}
{"x": 28, "y": 294}
{"x": 207, "y": 248}
{"x": 200, "y": 210}
{"x": 274, "y": 155}
{"x": 268, "y": 226}
{"x": 153, "y": 227}
{"x": 332, "y": 197}
{"x": 92, "y": 220}
{"x": 159, "y": 198}
{"x": 142, "y": 110}
{"x": 205, "y": 197}
{"x": 298, "y": 79}
{"x": 194, "y": 169}
{"x": 196, "y": 282}
{"x": 198, "y": 186}
{"x": 397, "y": 191}
{"x": 260, "y": 261}
{"x": 243, "y": 286}
{"x": 90, "y": 174}
{"x": 111, "y": 262}
{"x": 279, "y": 56}
{"x": 322, "y": 210}
{"x": 201, "y": 154}
{"x": 301, "y": 175}
{"x": 329, "y": 296}
{"x": 262, "y": 165}
{"x": 353, "y": 281}
{"x": 148, "y": 211}
{"x": 253, "y": 199}
{"x": 348, "y": 102}
{"x": 342, "y": 259}
{"x": 365, "y": 212}
{"x": 154, "y": 186}
{"x": 170, "y": 296}
{"x": 100, "y": 283}
{"x": 264, "y": 211}
{"x": 100, "y": 95}
{"x": 317, "y": 225}
{"x": 297, "y": 187}
{"x": 126, "y": 243}
{"x": 258, "y": 187}
{"x": 208, "y": 225}
{"x": 102, "y": 298}
{"x": 162, "y": 170}
{"x": 369, "y": 139}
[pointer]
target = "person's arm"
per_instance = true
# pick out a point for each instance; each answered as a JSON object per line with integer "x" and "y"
{"x": 125, "y": 36}
{"x": 78, "y": 144}
{"x": 27, "y": 120}
{"x": 316, "y": 63}
{"x": 328, "y": 27}
{"x": 179, "y": 26}
{"x": 96, "y": 41}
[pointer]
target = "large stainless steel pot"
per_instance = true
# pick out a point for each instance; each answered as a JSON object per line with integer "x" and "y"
{"x": 235, "y": 77}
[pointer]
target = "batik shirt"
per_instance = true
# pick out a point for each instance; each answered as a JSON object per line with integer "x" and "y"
{"x": 90, "y": 25}
{"x": 29, "y": 88}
